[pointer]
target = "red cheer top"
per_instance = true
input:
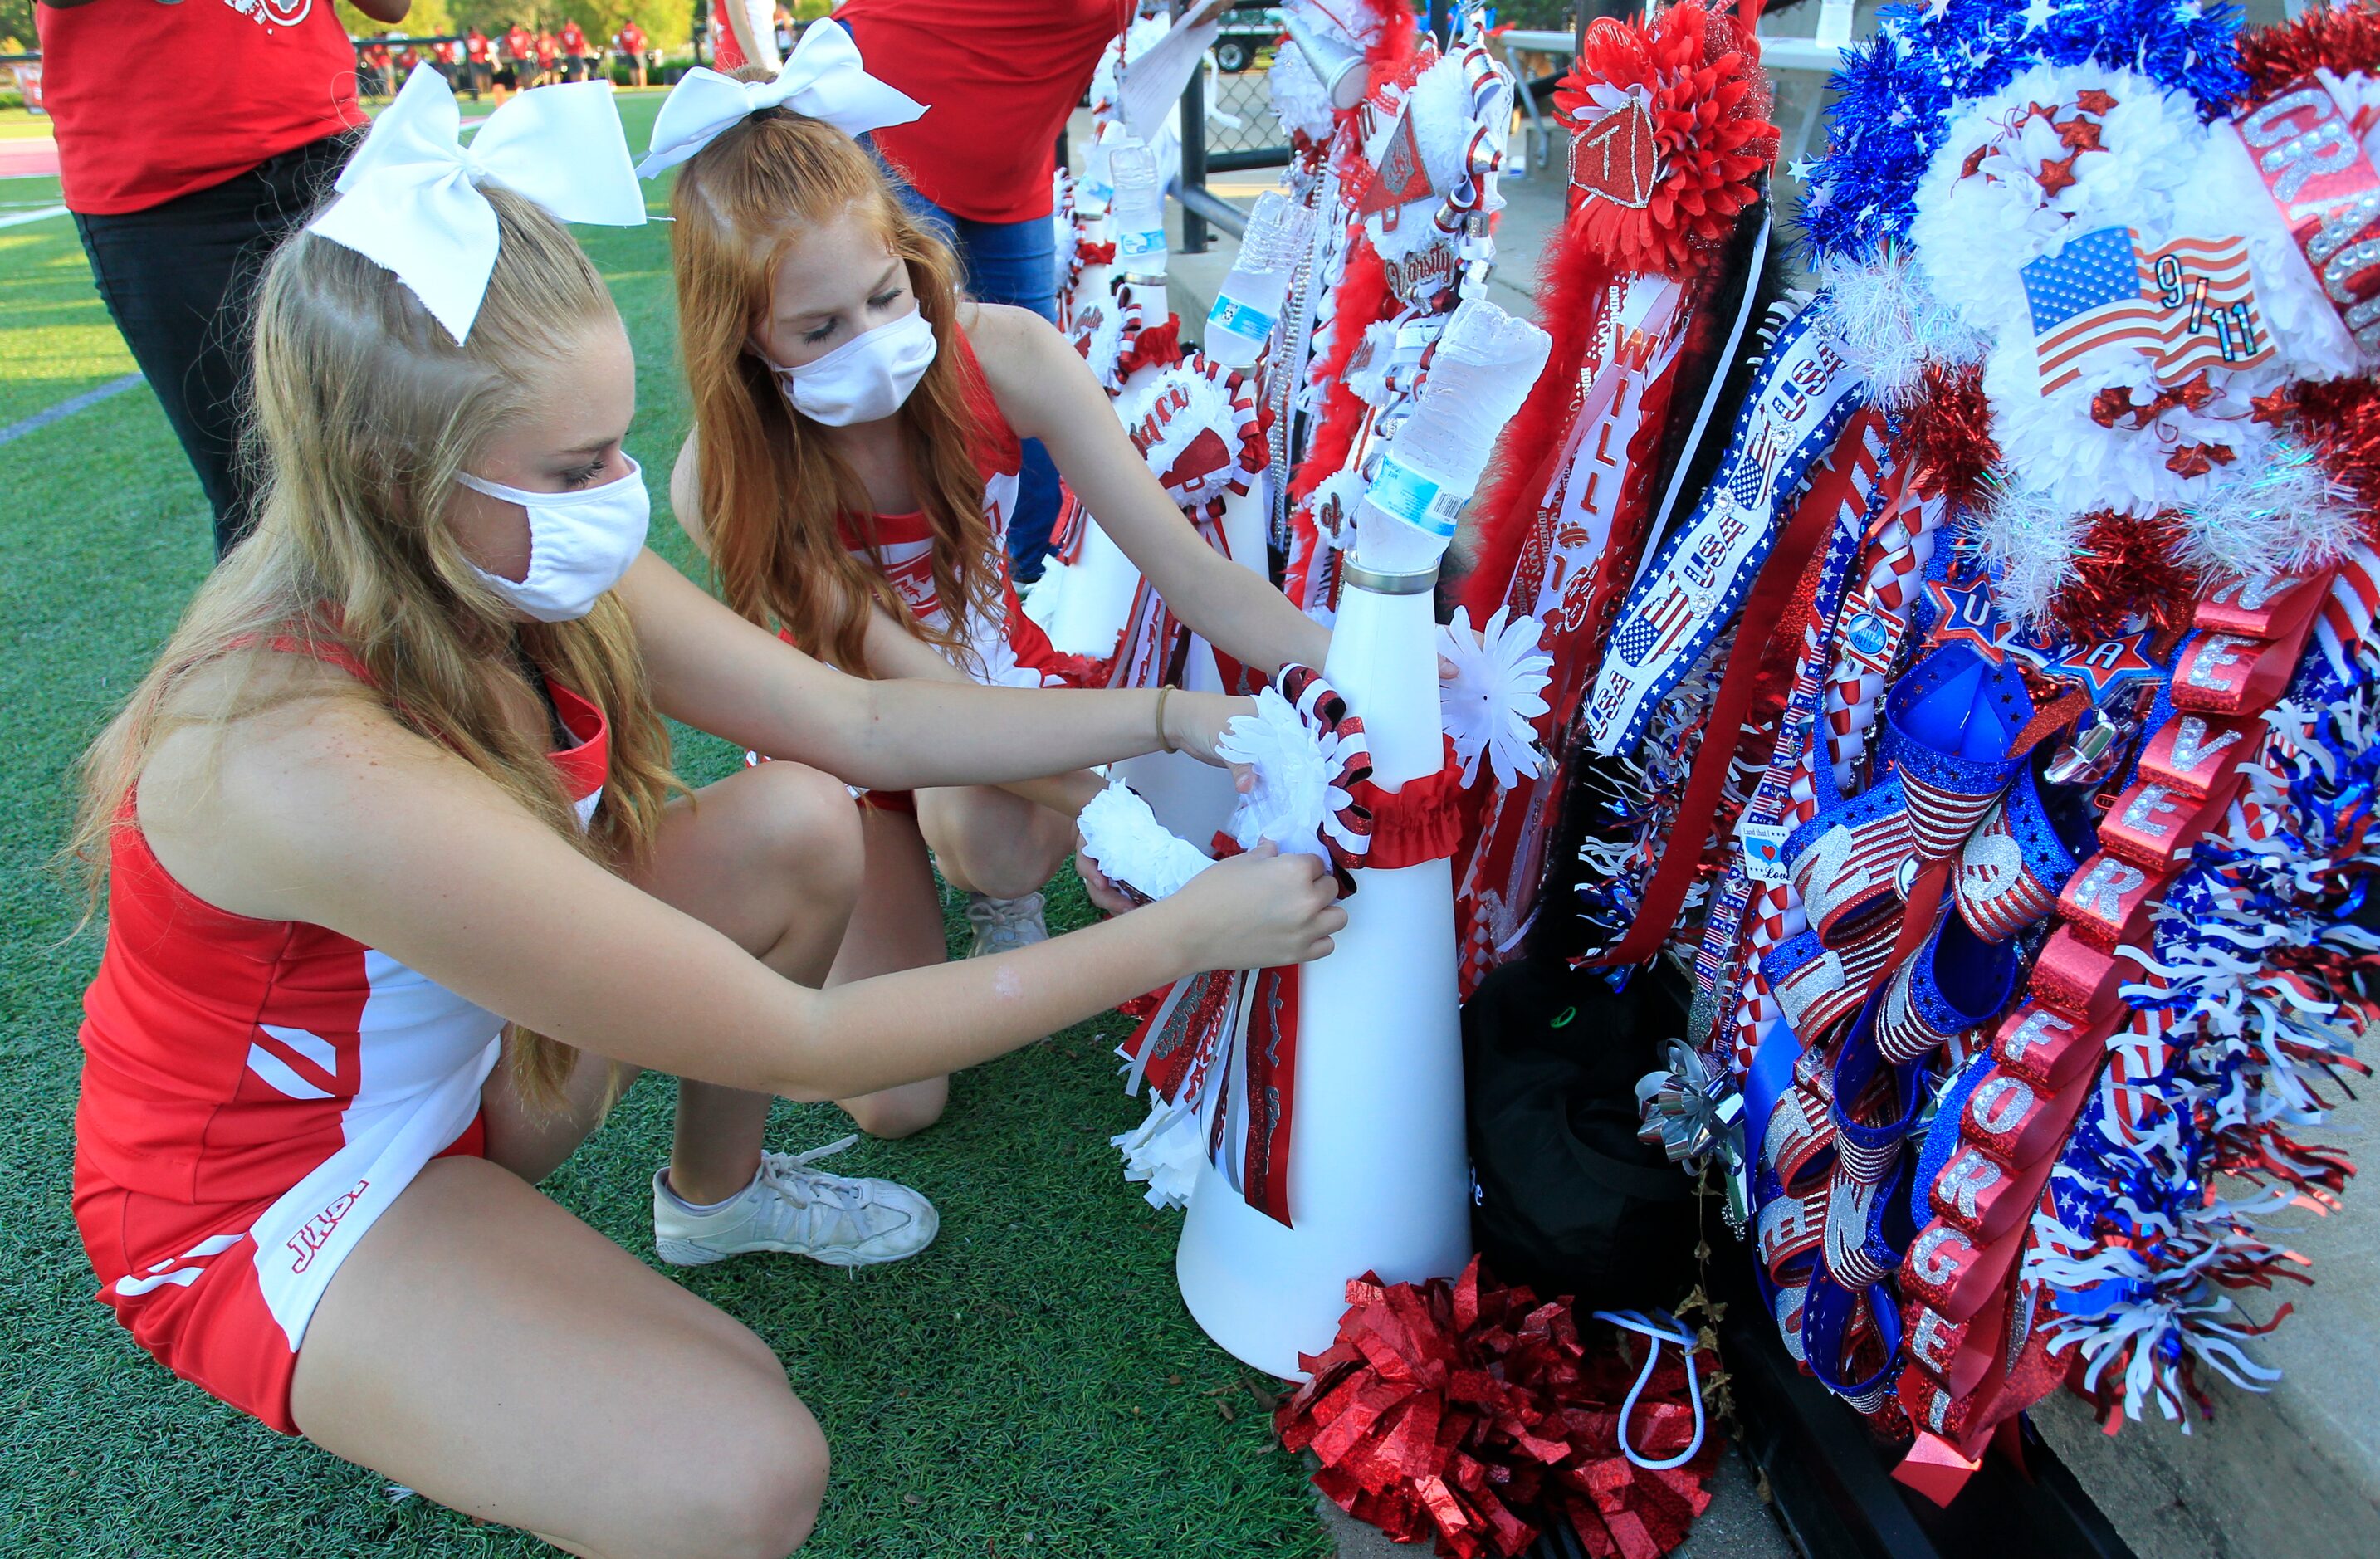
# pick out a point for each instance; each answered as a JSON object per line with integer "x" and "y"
{"x": 998, "y": 82}
{"x": 276, "y": 77}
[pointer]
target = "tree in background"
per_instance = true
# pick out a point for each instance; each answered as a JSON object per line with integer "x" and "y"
{"x": 427, "y": 18}
{"x": 17, "y": 21}
{"x": 663, "y": 20}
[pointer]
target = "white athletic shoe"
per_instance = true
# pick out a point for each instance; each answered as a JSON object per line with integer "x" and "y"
{"x": 1004, "y": 925}
{"x": 792, "y": 1208}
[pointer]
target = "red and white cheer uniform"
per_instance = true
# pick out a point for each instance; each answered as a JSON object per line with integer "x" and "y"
{"x": 255, "y": 1093}
{"x": 900, "y": 546}
{"x": 1013, "y": 652}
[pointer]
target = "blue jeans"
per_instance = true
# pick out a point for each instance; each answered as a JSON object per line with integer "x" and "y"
{"x": 1012, "y": 262}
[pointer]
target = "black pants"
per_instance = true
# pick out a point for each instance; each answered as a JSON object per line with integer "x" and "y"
{"x": 179, "y": 280}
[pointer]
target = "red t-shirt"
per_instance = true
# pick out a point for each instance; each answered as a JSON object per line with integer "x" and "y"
{"x": 519, "y": 45}
{"x": 573, "y": 41}
{"x": 998, "y": 82}
{"x": 275, "y": 80}
{"x": 632, "y": 38}
{"x": 476, "y": 45}
{"x": 545, "y": 48}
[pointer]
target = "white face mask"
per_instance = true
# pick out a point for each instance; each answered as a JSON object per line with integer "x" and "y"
{"x": 579, "y": 543}
{"x": 865, "y": 378}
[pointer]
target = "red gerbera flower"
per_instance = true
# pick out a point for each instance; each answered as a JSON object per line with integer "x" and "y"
{"x": 1694, "y": 79}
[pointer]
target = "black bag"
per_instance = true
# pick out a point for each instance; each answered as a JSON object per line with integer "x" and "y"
{"x": 1569, "y": 1202}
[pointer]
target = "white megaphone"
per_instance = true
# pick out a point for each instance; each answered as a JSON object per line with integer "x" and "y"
{"x": 1337, "y": 65}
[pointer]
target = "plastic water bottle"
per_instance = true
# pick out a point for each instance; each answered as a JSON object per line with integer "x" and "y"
{"x": 1249, "y": 301}
{"x": 1137, "y": 213}
{"x": 1096, "y": 188}
{"x": 1484, "y": 363}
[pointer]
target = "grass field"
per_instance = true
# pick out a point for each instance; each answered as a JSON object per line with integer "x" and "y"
{"x": 1030, "y": 1385}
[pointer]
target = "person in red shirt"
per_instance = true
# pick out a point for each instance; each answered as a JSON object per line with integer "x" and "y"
{"x": 448, "y": 57}
{"x": 178, "y": 196}
{"x": 476, "y": 67}
{"x": 408, "y": 56}
{"x": 630, "y": 42}
{"x": 1001, "y": 81}
{"x": 375, "y": 80}
{"x": 518, "y": 72}
{"x": 546, "y": 55}
{"x": 578, "y": 61}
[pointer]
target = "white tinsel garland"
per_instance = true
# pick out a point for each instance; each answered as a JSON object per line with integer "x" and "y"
{"x": 2032, "y": 539}
{"x": 2288, "y": 516}
{"x": 1888, "y": 325}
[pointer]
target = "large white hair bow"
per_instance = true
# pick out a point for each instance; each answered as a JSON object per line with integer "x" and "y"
{"x": 409, "y": 198}
{"x": 824, "y": 80}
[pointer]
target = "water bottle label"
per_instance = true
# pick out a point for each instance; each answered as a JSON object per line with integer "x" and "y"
{"x": 1244, "y": 319}
{"x": 1097, "y": 191}
{"x": 1416, "y": 499}
{"x": 1134, "y": 244}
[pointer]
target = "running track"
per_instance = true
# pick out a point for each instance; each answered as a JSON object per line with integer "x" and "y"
{"x": 28, "y": 158}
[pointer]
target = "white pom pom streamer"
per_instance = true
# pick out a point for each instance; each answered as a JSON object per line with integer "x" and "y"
{"x": 1164, "y": 1152}
{"x": 1131, "y": 847}
{"x": 1293, "y": 786}
{"x": 1497, "y": 692}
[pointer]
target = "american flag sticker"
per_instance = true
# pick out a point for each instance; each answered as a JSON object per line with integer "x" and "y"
{"x": 2188, "y": 306}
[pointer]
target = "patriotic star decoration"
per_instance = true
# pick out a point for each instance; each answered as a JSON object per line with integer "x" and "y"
{"x": 2104, "y": 667}
{"x": 1964, "y": 614}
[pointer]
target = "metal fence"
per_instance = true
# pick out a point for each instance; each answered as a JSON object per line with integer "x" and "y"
{"x": 1240, "y": 128}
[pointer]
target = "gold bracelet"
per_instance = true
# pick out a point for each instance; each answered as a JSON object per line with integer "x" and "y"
{"x": 1162, "y": 739}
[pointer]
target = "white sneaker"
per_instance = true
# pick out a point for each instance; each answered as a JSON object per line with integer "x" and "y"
{"x": 792, "y": 1208}
{"x": 1004, "y": 925}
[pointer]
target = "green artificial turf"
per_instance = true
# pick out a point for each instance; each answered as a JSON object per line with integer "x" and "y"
{"x": 1030, "y": 1385}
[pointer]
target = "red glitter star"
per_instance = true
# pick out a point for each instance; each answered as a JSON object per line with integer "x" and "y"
{"x": 2193, "y": 393}
{"x": 2058, "y": 176}
{"x": 2112, "y": 403}
{"x": 2274, "y": 409}
{"x": 2078, "y": 134}
{"x": 2093, "y": 101}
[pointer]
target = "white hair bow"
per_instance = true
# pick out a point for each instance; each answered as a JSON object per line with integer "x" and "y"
{"x": 824, "y": 80}
{"x": 409, "y": 198}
